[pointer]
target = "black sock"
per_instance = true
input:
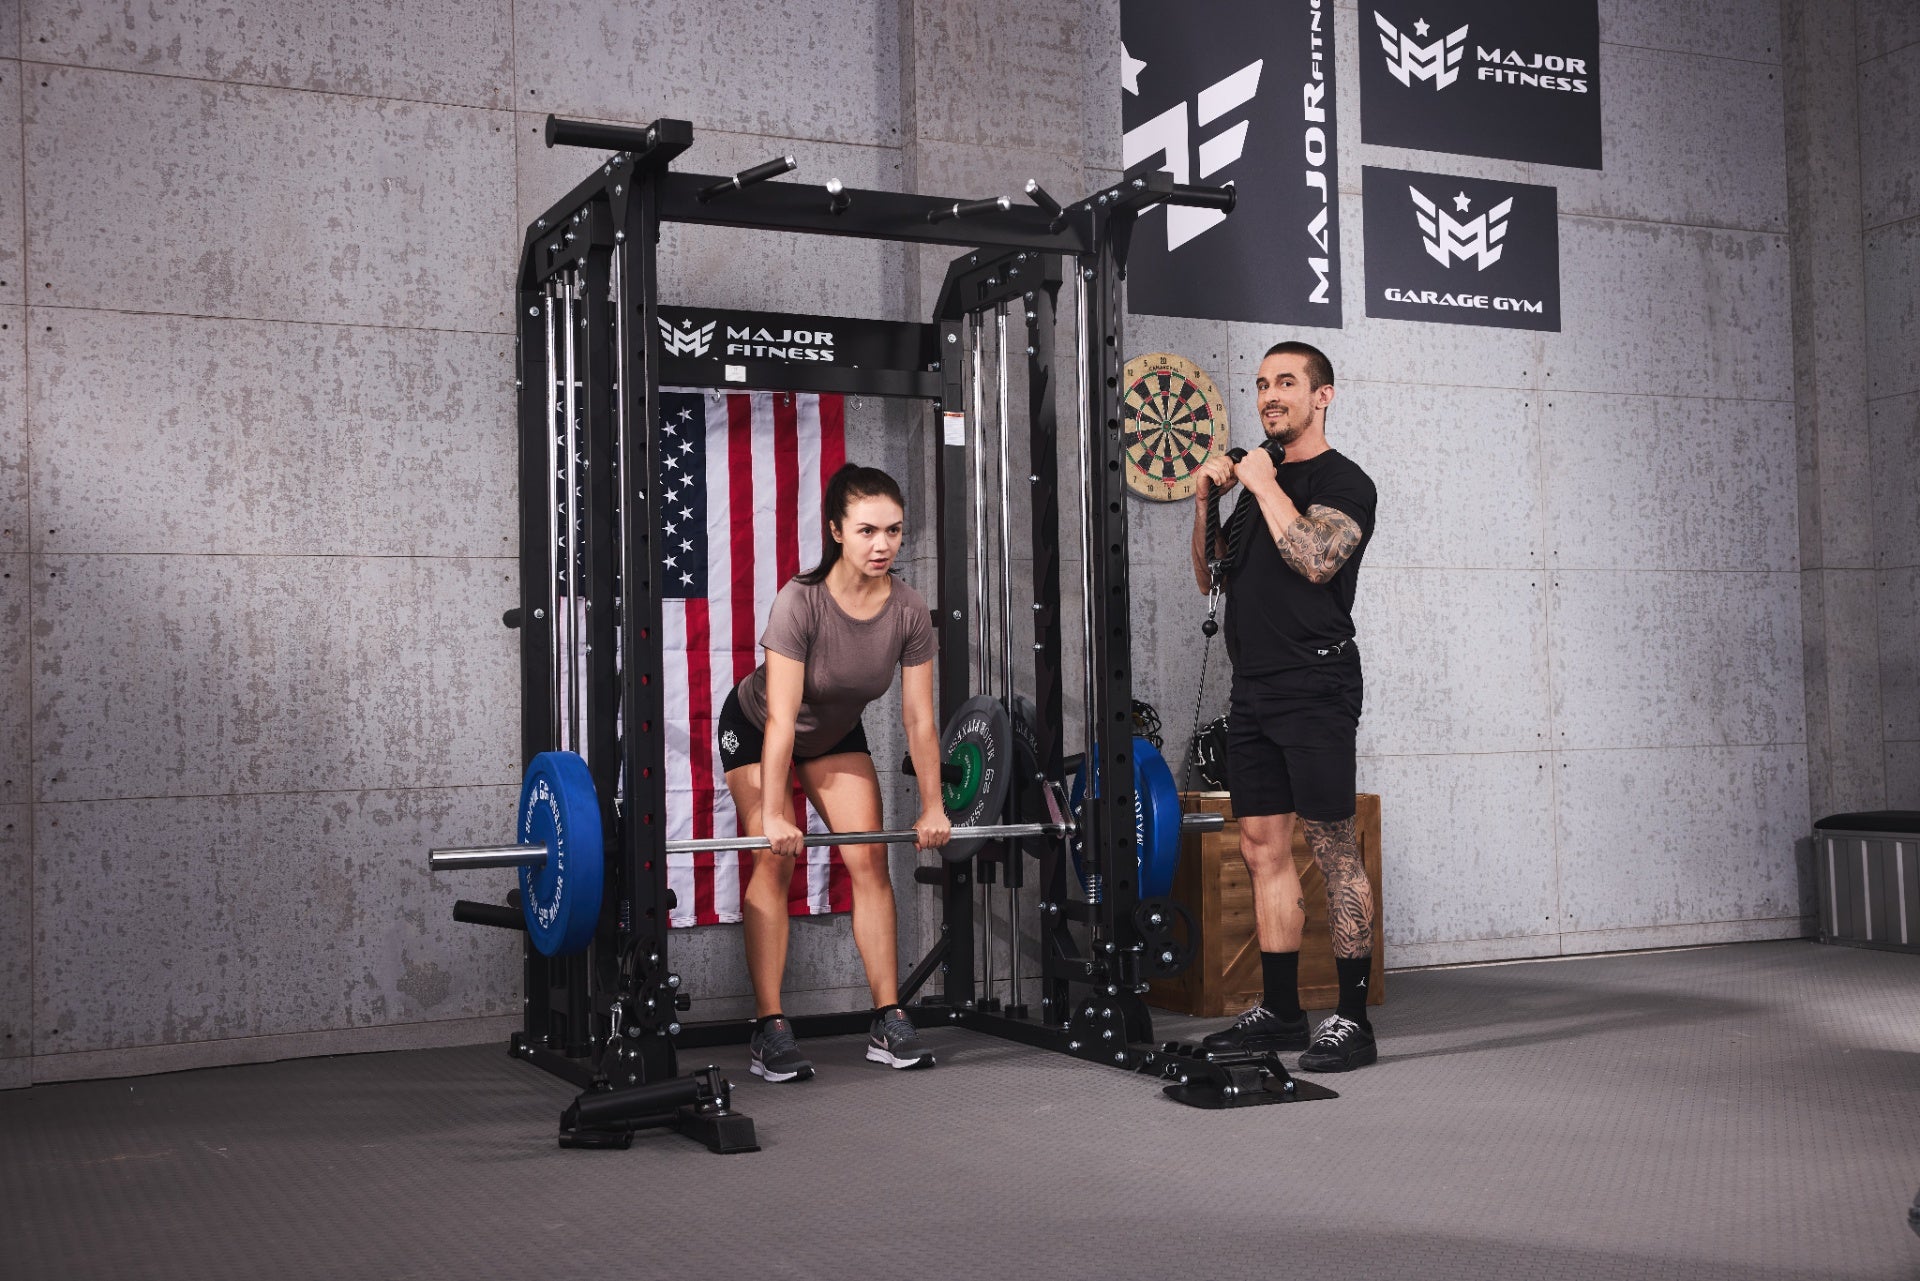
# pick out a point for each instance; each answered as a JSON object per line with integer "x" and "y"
{"x": 765, "y": 1019}
{"x": 1280, "y": 971}
{"x": 1353, "y": 972}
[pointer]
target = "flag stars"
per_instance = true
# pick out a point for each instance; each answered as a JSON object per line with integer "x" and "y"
{"x": 686, "y": 545}
{"x": 686, "y": 579}
{"x": 1461, "y": 202}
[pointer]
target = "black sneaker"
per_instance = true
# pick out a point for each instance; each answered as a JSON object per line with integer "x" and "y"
{"x": 776, "y": 1055}
{"x": 893, "y": 1041}
{"x": 1339, "y": 1045}
{"x": 1258, "y": 1031}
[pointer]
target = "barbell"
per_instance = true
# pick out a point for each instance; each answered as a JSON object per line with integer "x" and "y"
{"x": 560, "y": 848}
{"x": 465, "y": 858}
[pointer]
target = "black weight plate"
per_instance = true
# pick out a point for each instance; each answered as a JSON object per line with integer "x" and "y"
{"x": 982, "y": 724}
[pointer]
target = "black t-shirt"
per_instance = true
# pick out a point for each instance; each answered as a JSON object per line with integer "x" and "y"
{"x": 1277, "y": 621}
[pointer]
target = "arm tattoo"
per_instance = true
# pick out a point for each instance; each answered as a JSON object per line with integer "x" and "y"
{"x": 1336, "y": 847}
{"x": 1318, "y": 543}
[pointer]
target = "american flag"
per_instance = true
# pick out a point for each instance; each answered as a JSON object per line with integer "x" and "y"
{"x": 742, "y": 476}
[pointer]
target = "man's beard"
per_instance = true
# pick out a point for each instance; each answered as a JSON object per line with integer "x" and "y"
{"x": 1286, "y": 434}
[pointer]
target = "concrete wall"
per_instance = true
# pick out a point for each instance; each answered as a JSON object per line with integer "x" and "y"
{"x": 1888, "y": 49}
{"x": 256, "y": 483}
{"x": 1580, "y": 617}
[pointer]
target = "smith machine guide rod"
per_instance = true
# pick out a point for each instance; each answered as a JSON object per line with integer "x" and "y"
{"x": 591, "y": 364}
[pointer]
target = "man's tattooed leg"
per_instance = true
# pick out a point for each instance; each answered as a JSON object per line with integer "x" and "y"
{"x": 1336, "y": 847}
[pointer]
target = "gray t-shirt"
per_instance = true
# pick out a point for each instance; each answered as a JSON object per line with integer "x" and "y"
{"x": 850, "y": 661}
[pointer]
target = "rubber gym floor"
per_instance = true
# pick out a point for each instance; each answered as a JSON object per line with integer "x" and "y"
{"x": 1745, "y": 1112}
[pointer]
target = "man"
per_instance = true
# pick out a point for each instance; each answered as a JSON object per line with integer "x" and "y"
{"x": 1296, "y": 538}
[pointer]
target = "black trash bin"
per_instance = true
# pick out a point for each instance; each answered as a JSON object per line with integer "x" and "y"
{"x": 1868, "y": 869}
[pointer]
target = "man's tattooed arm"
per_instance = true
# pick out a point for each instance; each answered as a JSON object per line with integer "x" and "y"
{"x": 1336, "y": 847}
{"x": 1319, "y": 542}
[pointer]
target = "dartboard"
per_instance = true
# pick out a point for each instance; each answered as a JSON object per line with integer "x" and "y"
{"x": 1174, "y": 422}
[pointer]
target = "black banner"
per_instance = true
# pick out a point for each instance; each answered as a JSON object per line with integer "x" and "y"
{"x": 1461, "y": 251}
{"x": 1511, "y": 79}
{"x": 705, "y": 333}
{"x": 1241, "y": 92}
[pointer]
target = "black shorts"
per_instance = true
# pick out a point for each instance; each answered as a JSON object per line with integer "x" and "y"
{"x": 1290, "y": 742}
{"x": 741, "y": 742}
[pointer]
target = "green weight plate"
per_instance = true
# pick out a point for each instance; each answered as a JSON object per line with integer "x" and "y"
{"x": 981, "y": 725}
{"x": 958, "y": 796}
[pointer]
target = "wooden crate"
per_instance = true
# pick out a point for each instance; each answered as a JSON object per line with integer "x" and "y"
{"x": 1213, "y": 884}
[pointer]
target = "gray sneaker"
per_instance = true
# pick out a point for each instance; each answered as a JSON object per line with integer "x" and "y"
{"x": 893, "y": 1041}
{"x": 776, "y": 1055}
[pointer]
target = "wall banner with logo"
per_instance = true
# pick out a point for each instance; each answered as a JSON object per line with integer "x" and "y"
{"x": 1512, "y": 79}
{"x": 1461, "y": 251}
{"x": 1242, "y": 93}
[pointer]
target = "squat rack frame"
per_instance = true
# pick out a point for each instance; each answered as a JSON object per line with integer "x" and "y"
{"x": 608, "y": 1017}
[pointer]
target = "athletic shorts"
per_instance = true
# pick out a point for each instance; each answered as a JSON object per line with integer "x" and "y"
{"x": 741, "y": 742}
{"x": 1290, "y": 742}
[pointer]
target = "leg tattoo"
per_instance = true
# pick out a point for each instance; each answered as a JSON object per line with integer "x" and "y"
{"x": 1336, "y": 847}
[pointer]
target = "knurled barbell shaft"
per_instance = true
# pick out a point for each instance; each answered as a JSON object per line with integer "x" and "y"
{"x": 467, "y": 858}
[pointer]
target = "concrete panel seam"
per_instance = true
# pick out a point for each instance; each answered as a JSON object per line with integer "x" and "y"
{"x": 26, "y": 445}
{"x": 269, "y": 320}
{"x": 259, "y": 84}
{"x": 1686, "y": 53}
{"x": 1890, "y": 223}
{"x": 1610, "y": 392}
{"x": 415, "y": 789}
{"x": 1775, "y": 232}
{"x": 1888, "y": 53}
{"x": 303, "y": 556}
{"x": 1670, "y": 747}
{"x": 1589, "y": 569}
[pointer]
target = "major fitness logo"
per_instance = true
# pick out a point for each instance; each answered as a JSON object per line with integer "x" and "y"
{"x": 746, "y": 336}
{"x": 1409, "y": 60}
{"x": 1513, "y": 79}
{"x": 1477, "y": 239}
{"x": 1254, "y": 111}
{"x": 1486, "y": 254}
{"x": 686, "y": 340}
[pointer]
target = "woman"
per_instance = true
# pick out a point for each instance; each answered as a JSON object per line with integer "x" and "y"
{"x": 832, "y": 641}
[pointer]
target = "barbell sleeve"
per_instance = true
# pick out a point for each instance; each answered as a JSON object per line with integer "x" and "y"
{"x": 469, "y": 858}
{"x": 472, "y": 857}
